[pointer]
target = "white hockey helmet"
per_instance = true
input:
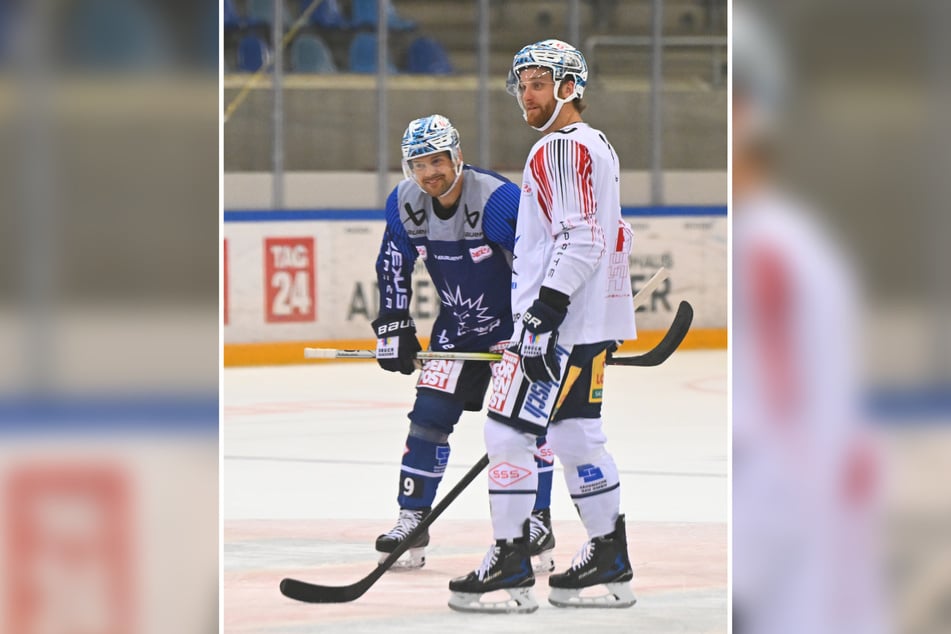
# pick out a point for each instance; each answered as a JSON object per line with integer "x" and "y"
{"x": 563, "y": 60}
{"x": 431, "y": 135}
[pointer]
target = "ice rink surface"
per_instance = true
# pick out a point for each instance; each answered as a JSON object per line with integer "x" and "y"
{"x": 311, "y": 462}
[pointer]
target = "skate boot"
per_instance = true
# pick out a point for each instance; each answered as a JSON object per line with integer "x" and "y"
{"x": 601, "y": 561}
{"x": 387, "y": 542}
{"x": 541, "y": 540}
{"x": 506, "y": 567}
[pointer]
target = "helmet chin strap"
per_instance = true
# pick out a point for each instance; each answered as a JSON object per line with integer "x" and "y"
{"x": 458, "y": 169}
{"x": 455, "y": 180}
{"x": 554, "y": 115}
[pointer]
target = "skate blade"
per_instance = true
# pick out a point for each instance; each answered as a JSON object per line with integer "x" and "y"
{"x": 618, "y": 595}
{"x": 412, "y": 559}
{"x": 520, "y": 601}
{"x": 543, "y": 562}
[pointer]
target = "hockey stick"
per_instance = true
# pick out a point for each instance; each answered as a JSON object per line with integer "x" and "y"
{"x": 640, "y": 298}
{"x": 316, "y": 593}
{"x": 670, "y": 342}
{"x": 655, "y": 356}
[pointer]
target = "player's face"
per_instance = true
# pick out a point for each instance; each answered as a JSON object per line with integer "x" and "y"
{"x": 536, "y": 89}
{"x": 434, "y": 173}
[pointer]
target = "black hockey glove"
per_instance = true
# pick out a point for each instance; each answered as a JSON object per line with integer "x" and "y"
{"x": 396, "y": 343}
{"x": 539, "y": 337}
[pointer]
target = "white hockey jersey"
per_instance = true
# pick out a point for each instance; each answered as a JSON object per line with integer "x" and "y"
{"x": 570, "y": 236}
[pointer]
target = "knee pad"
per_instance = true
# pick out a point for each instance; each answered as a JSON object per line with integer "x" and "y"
{"x": 577, "y": 440}
{"x": 435, "y": 412}
{"x": 503, "y": 442}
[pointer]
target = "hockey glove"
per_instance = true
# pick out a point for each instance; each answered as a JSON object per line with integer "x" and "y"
{"x": 539, "y": 339}
{"x": 396, "y": 343}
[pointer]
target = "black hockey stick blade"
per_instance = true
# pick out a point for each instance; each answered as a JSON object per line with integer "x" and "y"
{"x": 316, "y": 593}
{"x": 671, "y": 341}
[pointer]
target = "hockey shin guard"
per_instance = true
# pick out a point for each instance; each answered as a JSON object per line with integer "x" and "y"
{"x": 590, "y": 472}
{"x": 545, "y": 464}
{"x": 513, "y": 478}
{"x": 424, "y": 462}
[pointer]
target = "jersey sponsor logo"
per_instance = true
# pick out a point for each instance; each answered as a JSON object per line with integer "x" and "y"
{"x": 539, "y": 402}
{"x": 526, "y": 189}
{"x": 480, "y": 253}
{"x": 472, "y": 217}
{"x": 449, "y": 258}
{"x": 506, "y": 474}
{"x": 421, "y": 251}
{"x": 506, "y": 375}
{"x": 395, "y": 296}
{"x": 417, "y": 216}
{"x": 597, "y": 378}
{"x": 441, "y": 375}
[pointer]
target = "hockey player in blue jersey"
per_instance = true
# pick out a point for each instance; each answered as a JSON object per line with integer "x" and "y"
{"x": 460, "y": 221}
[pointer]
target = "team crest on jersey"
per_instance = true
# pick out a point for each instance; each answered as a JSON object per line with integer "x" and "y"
{"x": 421, "y": 251}
{"x": 526, "y": 189}
{"x": 480, "y": 253}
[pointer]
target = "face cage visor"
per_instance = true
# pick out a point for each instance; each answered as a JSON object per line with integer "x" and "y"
{"x": 512, "y": 88}
{"x": 454, "y": 156}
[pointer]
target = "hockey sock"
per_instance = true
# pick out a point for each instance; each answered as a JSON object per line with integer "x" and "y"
{"x": 513, "y": 478}
{"x": 424, "y": 462}
{"x": 545, "y": 464}
{"x": 590, "y": 472}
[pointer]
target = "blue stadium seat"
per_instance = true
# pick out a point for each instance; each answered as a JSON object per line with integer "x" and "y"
{"x": 117, "y": 35}
{"x": 363, "y": 54}
{"x": 327, "y": 15}
{"x": 259, "y": 13}
{"x": 230, "y": 16}
{"x": 309, "y": 54}
{"x": 364, "y": 15}
{"x": 426, "y": 56}
{"x": 253, "y": 53}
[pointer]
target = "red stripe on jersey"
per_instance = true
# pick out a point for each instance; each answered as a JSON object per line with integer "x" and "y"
{"x": 583, "y": 182}
{"x": 543, "y": 185}
{"x": 772, "y": 306}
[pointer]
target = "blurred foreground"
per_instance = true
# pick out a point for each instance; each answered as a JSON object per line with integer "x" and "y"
{"x": 841, "y": 338}
{"x": 108, "y": 317}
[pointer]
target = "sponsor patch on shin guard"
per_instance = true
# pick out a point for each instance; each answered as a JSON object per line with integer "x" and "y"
{"x": 592, "y": 478}
{"x": 506, "y": 474}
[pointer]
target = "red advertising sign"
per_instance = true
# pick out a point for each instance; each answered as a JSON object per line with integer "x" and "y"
{"x": 69, "y": 546}
{"x": 289, "y": 280}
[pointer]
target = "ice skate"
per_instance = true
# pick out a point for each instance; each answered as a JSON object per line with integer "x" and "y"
{"x": 507, "y": 568}
{"x": 541, "y": 541}
{"x": 386, "y": 543}
{"x": 602, "y": 561}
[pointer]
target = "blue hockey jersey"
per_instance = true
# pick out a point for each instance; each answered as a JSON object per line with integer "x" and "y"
{"x": 468, "y": 256}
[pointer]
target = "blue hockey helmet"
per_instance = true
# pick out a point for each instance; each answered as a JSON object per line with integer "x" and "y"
{"x": 431, "y": 135}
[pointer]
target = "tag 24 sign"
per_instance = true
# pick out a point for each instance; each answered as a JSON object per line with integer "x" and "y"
{"x": 289, "y": 279}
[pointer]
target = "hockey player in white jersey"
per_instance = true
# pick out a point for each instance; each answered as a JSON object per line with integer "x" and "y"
{"x": 460, "y": 221}
{"x": 571, "y": 303}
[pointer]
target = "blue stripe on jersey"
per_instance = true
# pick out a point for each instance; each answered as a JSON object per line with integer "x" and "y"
{"x": 501, "y": 212}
